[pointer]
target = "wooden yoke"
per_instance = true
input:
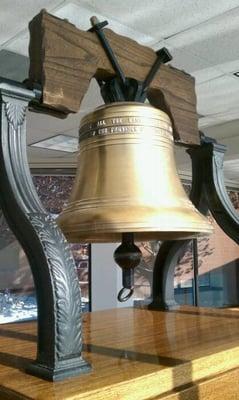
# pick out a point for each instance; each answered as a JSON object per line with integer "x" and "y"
{"x": 63, "y": 60}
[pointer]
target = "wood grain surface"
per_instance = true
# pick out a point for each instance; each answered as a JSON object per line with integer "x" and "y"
{"x": 136, "y": 354}
{"x": 63, "y": 60}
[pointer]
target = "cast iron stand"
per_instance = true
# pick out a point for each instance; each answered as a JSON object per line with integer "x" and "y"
{"x": 208, "y": 193}
{"x": 58, "y": 294}
{"x": 57, "y": 288}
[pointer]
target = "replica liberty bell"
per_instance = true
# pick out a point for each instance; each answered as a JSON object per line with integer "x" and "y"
{"x": 127, "y": 187}
{"x": 127, "y": 180}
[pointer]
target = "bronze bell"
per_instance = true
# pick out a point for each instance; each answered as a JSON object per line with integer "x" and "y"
{"x": 127, "y": 180}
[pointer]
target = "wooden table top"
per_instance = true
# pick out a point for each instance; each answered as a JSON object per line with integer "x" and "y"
{"x": 136, "y": 354}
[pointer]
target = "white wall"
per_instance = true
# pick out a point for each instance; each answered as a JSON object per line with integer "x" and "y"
{"x": 106, "y": 278}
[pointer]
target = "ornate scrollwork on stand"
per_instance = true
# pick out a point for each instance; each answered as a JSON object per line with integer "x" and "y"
{"x": 67, "y": 303}
{"x": 208, "y": 193}
{"x": 15, "y": 113}
{"x": 49, "y": 255}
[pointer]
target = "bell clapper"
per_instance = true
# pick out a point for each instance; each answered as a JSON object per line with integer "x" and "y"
{"x": 127, "y": 256}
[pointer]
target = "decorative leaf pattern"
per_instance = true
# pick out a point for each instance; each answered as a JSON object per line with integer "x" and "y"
{"x": 65, "y": 317}
{"x": 15, "y": 113}
{"x": 65, "y": 282}
{"x": 218, "y": 158}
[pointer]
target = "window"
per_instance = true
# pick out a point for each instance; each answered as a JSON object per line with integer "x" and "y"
{"x": 17, "y": 293}
{"x": 216, "y": 271}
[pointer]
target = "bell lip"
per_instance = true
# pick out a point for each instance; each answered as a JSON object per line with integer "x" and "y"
{"x": 141, "y": 233}
{"x": 138, "y": 236}
{"x": 94, "y": 228}
{"x": 155, "y": 112}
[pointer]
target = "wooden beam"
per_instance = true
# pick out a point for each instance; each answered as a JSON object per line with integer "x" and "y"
{"x": 63, "y": 60}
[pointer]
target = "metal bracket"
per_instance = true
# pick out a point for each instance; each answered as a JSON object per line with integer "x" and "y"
{"x": 121, "y": 88}
{"x": 211, "y": 156}
{"x": 208, "y": 192}
{"x": 57, "y": 288}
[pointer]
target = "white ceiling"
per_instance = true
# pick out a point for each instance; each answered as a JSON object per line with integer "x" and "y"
{"x": 202, "y": 36}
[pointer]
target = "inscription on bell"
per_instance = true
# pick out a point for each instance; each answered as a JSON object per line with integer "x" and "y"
{"x": 135, "y": 120}
{"x": 117, "y": 121}
{"x": 130, "y": 124}
{"x": 103, "y": 131}
{"x": 118, "y": 129}
{"x": 126, "y": 129}
{"x": 101, "y": 122}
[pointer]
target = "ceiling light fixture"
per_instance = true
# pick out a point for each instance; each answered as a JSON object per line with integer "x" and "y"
{"x": 67, "y": 144}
